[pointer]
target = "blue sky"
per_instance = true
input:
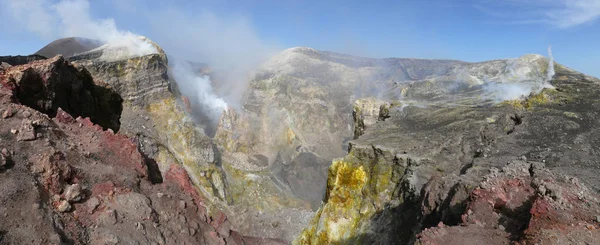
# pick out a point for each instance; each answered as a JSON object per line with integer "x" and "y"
{"x": 464, "y": 30}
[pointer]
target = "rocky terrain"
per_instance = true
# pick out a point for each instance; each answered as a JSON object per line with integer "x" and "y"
{"x": 325, "y": 149}
{"x": 415, "y": 167}
{"x": 66, "y": 180}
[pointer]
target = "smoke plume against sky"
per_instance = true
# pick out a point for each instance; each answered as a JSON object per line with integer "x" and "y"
{"x": 228, "y": 43}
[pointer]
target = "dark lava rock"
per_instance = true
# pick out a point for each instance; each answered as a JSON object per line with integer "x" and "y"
{"x": 47, "y": 85}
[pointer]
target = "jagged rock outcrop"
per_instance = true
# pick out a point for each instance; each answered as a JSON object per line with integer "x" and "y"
{"x": 47, "y": 85}
{"x": 154, "y": 115}
{"x": 524, "y": 203}
{"x": 417, "y": 167}
{"x": 75, "y": 183}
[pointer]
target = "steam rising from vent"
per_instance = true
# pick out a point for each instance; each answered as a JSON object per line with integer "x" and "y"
{"x": 197, "y": 88}
{"x": 550, "y": 65}
{"x": 72, "y": 18}
{"x": 508, "y": 91}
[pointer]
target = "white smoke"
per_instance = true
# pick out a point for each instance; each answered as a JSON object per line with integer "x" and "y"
{"x": 199, "y": 91}
{"x": 227, "y": 43}
{"x": 550, "y": 65}
{"x": 499, "y": 92}
{"x": 520, "y": 78}
{"x": 72, "y": 18}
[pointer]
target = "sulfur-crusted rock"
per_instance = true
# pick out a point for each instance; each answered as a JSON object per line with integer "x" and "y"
{"x": 300, "y": 105}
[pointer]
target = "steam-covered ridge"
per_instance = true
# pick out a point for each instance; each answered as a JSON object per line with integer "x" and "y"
{"x": 418, "y": 79}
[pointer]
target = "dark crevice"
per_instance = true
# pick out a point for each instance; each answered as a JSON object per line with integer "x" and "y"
{"x": 450, "y": 215}
{"x": 512, "y": 130}
{"x": 479, "y": 152}
{"x": 517, "y": 119}
{"x": 9, "y": 163}
{"x": 154, "y": 174}
{"x": 466, "y": 167}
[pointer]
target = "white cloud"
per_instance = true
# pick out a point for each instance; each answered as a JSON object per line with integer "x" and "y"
{"x": 574, "y": 12}
{"x": 557, "y": 13}
{"x": 33, "y": 14}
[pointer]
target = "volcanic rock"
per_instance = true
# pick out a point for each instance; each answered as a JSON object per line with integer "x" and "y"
{"x": 420, "y": 136}
{"x": 418, "y": 168}
{"x": 73, "y": 193}
{"x": 46, "y": 85}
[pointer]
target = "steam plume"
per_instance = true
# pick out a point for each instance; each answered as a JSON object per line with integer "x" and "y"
{"x": 198, "y": 89}
{"x": 550, "y": 65}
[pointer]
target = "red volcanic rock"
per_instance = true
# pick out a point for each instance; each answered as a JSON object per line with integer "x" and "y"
{"x": 177, "y": 174}
{"x": 524, "y": 204}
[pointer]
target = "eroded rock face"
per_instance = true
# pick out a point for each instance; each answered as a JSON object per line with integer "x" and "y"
{"x": 154, "y": 115}
{"x": 47, "y": 85}
{"x": 420, "y": 165}
{"x": 75, "y": 183}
